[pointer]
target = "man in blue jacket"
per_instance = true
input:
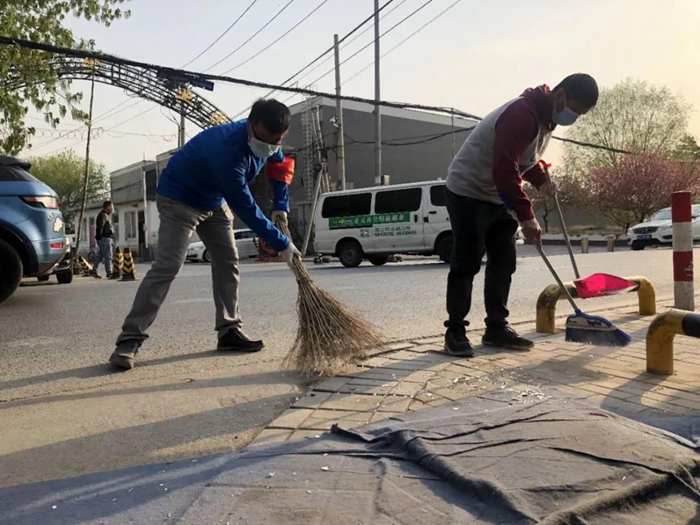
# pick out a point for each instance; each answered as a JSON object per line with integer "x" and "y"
{"x": 203, "y": 183}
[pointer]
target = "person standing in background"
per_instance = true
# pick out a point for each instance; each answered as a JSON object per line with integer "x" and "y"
{"x": 104, "y": 236}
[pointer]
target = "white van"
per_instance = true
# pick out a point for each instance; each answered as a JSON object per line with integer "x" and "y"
{"x": 374, "y": 223}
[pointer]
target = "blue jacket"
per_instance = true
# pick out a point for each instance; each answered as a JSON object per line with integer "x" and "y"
{"x": 217, "y": 165}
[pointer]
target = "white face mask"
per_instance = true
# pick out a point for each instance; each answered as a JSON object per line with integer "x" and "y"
{"x": 261, "y": 149}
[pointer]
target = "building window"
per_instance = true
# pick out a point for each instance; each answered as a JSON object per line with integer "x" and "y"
{"x": 347, "y": 205}
{"x": 437, "y": 195}
{"x": 115, "y": 224}
{"x": 130, "y": 231}
{"x": 393, "y": 201}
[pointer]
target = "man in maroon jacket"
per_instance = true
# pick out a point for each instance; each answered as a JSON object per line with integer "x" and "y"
{"x": 485, "y": 192}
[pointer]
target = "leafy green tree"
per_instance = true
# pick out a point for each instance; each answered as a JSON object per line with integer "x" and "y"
{"x": 632, "y": 116}
{"x": 26, "y": 76}
{"x": 64, "y": 173}
{"x": 687, "y": 149}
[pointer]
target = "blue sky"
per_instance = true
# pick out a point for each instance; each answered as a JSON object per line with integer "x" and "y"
{"x": 475, "y": 57}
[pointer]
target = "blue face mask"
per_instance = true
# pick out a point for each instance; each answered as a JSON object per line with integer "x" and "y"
{"x": 566, "y": 117}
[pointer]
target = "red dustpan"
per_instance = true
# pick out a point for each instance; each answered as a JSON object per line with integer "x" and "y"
{"x": 602, "y": 284}
{"x": 598, "y": 284}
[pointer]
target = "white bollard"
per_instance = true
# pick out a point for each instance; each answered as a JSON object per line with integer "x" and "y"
{"x": 584, "y": 245}
{"x": 682, "y": 216}
{"x": 611, "y": 243}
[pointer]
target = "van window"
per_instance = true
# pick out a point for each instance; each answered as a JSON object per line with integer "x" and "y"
{"x": 347, "y": 205}
{"x": 394, "y": 201}
{"x": 437, "y": 195}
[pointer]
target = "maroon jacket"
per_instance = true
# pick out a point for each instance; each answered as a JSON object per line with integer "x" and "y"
{"x": 504, "y": 150}
{"x": 516, "y": 129}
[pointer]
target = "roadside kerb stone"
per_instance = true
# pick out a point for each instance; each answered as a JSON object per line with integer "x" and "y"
{"x": 417, "y": 374}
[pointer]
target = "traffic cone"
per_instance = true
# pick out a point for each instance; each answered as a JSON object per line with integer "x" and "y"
{"x": 117, "y": 263}
{"x": 129, "y": 270}
{"x": 86, "y": 266}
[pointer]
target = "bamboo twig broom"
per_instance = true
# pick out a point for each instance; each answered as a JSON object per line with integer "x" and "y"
{"x": 328, "y": 334}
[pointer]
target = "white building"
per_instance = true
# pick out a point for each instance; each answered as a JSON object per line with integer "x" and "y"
{"x": 136, "y": 216}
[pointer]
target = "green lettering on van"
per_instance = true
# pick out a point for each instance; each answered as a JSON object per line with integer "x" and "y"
{"x": 363, "y": 221}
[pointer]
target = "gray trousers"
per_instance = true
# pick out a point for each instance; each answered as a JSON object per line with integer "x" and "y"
{"x": 104, "y": 254}
{"x": 178, "y": 222}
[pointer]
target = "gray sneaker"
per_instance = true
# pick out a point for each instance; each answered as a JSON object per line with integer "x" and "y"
{"x": 457, "y": 343}
{"x": 124, "y": 355}
{"x": 506, "y": 337}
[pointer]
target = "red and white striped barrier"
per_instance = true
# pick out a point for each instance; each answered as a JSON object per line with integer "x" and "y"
{"x": 682, "y": 216}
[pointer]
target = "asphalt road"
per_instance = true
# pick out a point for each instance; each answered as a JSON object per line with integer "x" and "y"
{"x": 65, "y": 412}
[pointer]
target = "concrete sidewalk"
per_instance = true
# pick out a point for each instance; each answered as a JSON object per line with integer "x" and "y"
{"x": 418, "y": 374}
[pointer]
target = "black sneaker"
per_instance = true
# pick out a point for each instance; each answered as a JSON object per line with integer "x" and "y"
{"x": 457, "y": 343}
{"x": 124, "y": 355}
{"x": 94, "y": 274}
{"x": 236, "y": 341}
{"x": 506, "y": 337}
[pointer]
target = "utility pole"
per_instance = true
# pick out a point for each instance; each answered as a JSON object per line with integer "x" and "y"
{"x": 377, "y": 107}
{"x": 86, "y": 175}
{"x": 453, "y": 133}
{"x": 339, "y": 137}
{"x": 181, "y": 129}
{"x": 320, "y": 170}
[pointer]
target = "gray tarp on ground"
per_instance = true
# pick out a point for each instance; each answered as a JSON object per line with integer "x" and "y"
{"x": 488, "y": 460}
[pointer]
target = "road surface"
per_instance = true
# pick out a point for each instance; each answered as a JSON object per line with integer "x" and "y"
{"x": 65, "y": 412}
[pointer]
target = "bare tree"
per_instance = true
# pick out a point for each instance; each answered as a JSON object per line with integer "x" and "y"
{"x": 632, "y": 116}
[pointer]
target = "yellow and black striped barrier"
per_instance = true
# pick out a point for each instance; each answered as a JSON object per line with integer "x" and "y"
{"x": 85, "y": 266}
{"x": 662, "y": 331}
{"x": 129, "y": 269}
{"x": 547, "y": 302}
{"x": 117, "y": 263}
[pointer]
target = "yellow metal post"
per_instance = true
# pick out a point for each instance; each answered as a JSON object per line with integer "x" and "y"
{"x": 660, "y": 341}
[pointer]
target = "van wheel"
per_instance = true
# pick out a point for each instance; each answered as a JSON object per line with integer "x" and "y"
{"x": 64, "y": 277}
{"x": 10, "y": 270}
{"x": 378, "y": 260}
{"x": 206, "y": 257}
{"x": 350, "y": 254}
{"x": 444, "y": 248}
{"x": 637, "y": 246}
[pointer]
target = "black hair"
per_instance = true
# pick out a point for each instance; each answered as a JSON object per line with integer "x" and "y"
{"x": 274, "y": 115}
{"x": 105, "y": 204}
{"x": 580, "y": 87}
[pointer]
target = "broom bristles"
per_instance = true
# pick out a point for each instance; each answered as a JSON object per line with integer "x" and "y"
{"x": 328, "y": 335}
{"x": 594, "y": 330}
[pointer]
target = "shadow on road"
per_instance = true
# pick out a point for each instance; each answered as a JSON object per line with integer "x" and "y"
{"x": 105, "y": 369}
{"x": 277, "y": 377}
{"x": 152, "y": 442}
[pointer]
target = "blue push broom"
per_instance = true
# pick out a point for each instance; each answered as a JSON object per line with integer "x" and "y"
{"x": 584, "y": 328}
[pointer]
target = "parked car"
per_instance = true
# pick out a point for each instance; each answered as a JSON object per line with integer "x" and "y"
{"x": 658, "y": 229}
{"x": 246, "y": 243}
{"x": 32, "y": 236}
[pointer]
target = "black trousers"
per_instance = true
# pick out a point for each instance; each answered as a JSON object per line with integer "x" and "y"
{"x": 479, "y": 226}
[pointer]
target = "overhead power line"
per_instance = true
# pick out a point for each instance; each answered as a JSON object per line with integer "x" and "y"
{"x": 319, "y": 6}
{"x": 403, "y": 41}
{"x": 319, "y": 57}
{"x": 358, "y": 35}
{"x": 190, "y": 75}
{"x": 256, "y": 33}
{"x": 413, "y": 13}
{"x": 223, "y": 34}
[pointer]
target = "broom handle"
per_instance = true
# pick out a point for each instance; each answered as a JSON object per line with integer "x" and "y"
{"x": 557, "y": 278}
{"x": 563, "y": 229}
